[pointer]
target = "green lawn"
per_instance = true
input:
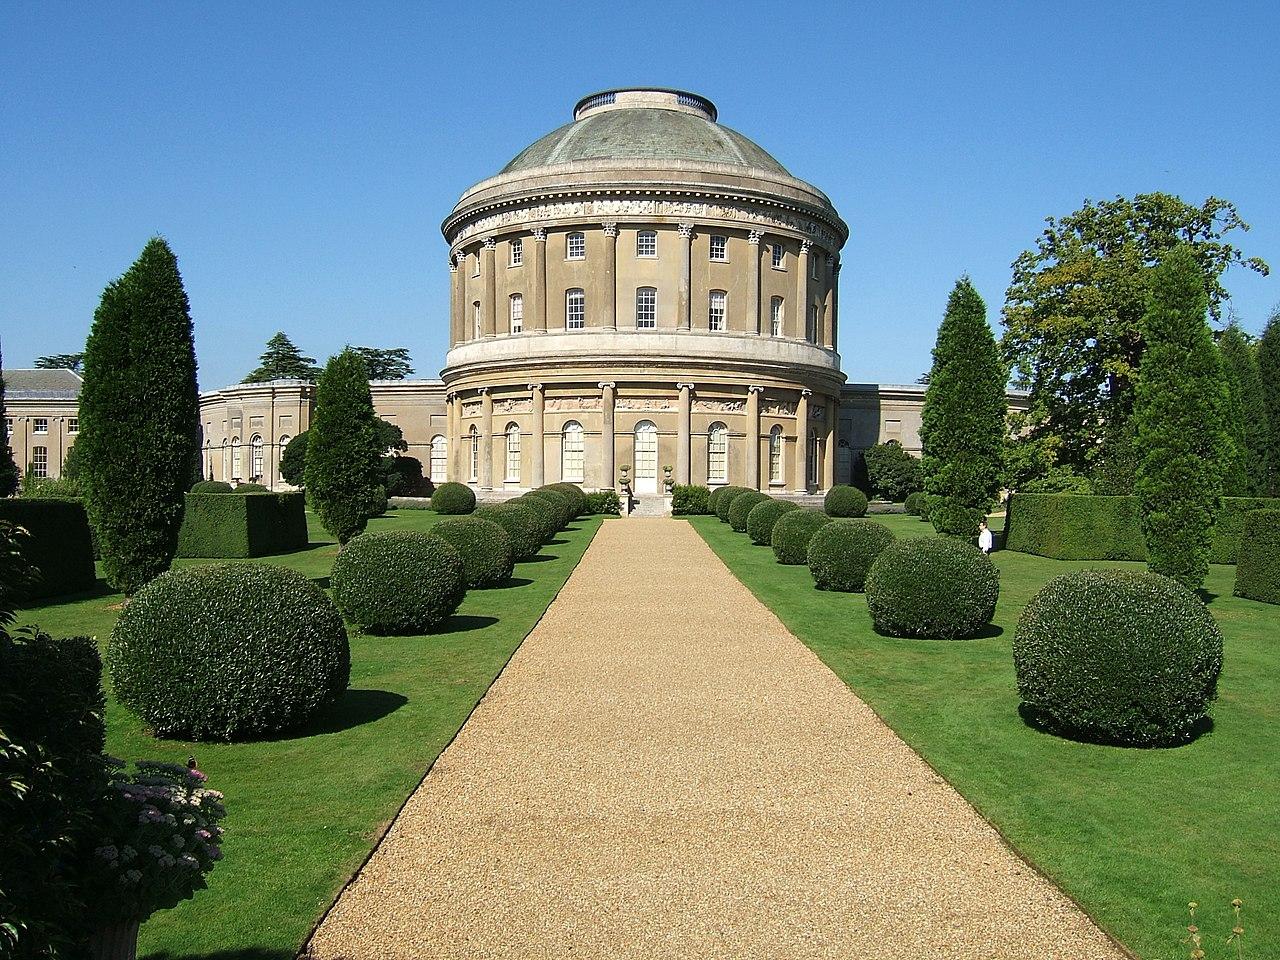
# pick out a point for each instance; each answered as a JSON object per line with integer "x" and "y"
{"x": 304, "y": 811}
{"x": 1133, "y": 835}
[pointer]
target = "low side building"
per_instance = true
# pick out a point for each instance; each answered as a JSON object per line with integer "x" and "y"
{"x": 42, "y": 418}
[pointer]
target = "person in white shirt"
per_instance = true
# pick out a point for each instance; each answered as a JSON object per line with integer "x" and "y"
{"x": 984, "y": 537}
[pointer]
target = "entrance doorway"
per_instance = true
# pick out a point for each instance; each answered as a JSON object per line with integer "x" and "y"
{"x": 646, "y": 464}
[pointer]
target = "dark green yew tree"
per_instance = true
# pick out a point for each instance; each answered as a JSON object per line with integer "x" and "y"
{"x": 343, "y": 452}
{"x": 139, "y": 418}
{"x": 1179, "y": 412}
{"x": 1246, "y": 474}
{"x": 962, "y": 427}
{"x": 9, "y": 475}
{"x": 1269, "y": 375}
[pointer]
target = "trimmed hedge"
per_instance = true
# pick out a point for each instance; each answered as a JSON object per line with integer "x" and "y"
{"x": 1117, "y": 656}
{"x": 545, "y": 512}
{"x": 713, "y": 499}
{"x": 940, "y": 587}
{"x": 1068, "y": 526}
{"x": 690, "y": 500}
{"x": 522, "y": 526}
{"x": 741, "y": 508}
{"x": 228, "y": 651}
{"x": 577, "y": 498}
{"x": 1258, "y": 570}
{"x": 841, "y": 553}
{"x": 1230, "y": 525}
{"x": 763, "y": 516}
{"x": 59, "y": 545}
{"x": 484, "y": 546}
{"x": 604, "y": 503}
{"x": 561, "y": 501}
{"x": 211, "y": 486}
{"x": 918, "y": 505}
{"x": 252, "y": 525}
{"x": 249, "y": 488}
{"x": 398, "y": 582}
{"x": 845, "y": 501}
{"x": 453, "y": 498}
{"x": 792, "y": 532}
{"x": 725, "y": 501}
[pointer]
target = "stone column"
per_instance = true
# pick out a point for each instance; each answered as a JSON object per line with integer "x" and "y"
{"x": 450, "y": 437}
{"x": 682, "y": 438}
{"x": 608, "y": 278}
{"x": 753, "y": 282}
{"x": 486, "y": 439}
{"x": 686, "y": 254}
{"x": 799, "y": 318}
{"x": 538, "y": 436}
{"x": 829, "y": 445}
{"x": 835, "y": 304}
{"x": 489, "y": 278}
{"x": 539, "y": 280}
{"x": 753, "y": 437}
{"x": 802, "y": 442}
{"x": 457, "y": 302}
{"x": 607, "y": 439}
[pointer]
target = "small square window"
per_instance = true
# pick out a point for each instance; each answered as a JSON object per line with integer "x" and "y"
{"x": 778, "y": 254}
{"x": 576, "y": 246}
{"x": 719, "y": 248}
{"x": 73, "y": 425}
{"x": 647, "y": 243}
{"x": 517, "y": 252}
{"x": 40, "y": 425}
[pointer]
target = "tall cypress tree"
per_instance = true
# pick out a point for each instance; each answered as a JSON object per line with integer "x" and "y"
{"x": 1269, "y": 375}
{"x": 1179, "y": 418}
{"x": 139, "y": 418}
{"x": 1246, "y": 474}
{"x": 343, "y": 454}
{"x": 10, "y": 478}
{"x": 962, "y": 426}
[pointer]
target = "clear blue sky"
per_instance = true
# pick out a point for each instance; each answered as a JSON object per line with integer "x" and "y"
{"x": 300, "y": 157}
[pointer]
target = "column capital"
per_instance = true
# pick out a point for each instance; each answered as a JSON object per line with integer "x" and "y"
{"x": 755, "y": 388}
{"x": 482, "y": 391}
{"x": 806, "y": 246}
{"x": 806, "y": 392}
{"x": 686, "y": 386}
{"x": 459, "y": 257}
{"x": 753, "y": 238}
{"x": 686, "y": 229}
{"x": 606, "y": 384}
{"x": 610, "y": 228}
{"x": 534, "y": 387}
{"x": 453, "y": 264}
{"x": 490, "y": 242}
{"x": 539, "y": 235}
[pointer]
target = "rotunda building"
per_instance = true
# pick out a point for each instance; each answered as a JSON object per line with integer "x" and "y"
{"x": 643, "y": 292}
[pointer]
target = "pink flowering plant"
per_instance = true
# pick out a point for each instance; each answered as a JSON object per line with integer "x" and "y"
{"x": 159, "y": 836}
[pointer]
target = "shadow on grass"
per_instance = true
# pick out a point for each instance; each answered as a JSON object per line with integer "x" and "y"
{"x": 511, "y": 582}
{"x": 99, "y": 589}
{"x": 541, "y": 558}
{"x": 247, "y": 953}
{"x": 1042, "y": 724}
{"x": 355, "y": 709}
{"x": 989, "y": 632}
{"x": 465, "y": 623}
{"x": 556, "y": 543}
{"x": 321, "y": 582}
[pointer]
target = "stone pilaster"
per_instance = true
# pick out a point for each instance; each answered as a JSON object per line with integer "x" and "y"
{"x": 608, "y": 278}
{"x": 752, "y": 480}
{"x": 539, "y": 280}
{"x": 486, "y": 439}
{"x": 835, "y": 305}
{"x": 450, "y": 436}
{"x": 538, "y": 435}
{"x": 753, "y": 282}
{"x": 608, "y": 442}
{"x": 683, "y": 428}
{"x": 457, "y": 299}
{"x": 829, "y": 445}
{"x": 802, "y": 443}
{"x": 798, "y": 320}
{"x": 686, "y": 265}
{"x": 489, "y": 278}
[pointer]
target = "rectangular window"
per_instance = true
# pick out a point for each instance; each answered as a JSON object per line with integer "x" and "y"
{"x": 647, "y": 243}
{"x": 40, "y": 425}
{"x": 814, "y": 260}
{"x": 477, "y": 271}
{"x": 775, "y": 317}
{"x": 513, "y": 454}
{"x": 517, "y": 313}
{"x": 517, "y": 252}
{"x": 718, "y": 454}
{"x": 576, "y": 246}
{"x": 719, "y": 248}
{"x": 716, "y": 311}
{"x": 40, "y": 461}
{"x": 778, "y": 254}
{"x": 73, "y": 425}
{"x": 646, "y": 308}
{"x": 775, "y": 455}
{"x": 572, "y": 453}
{"x": 812, "y": 332}
{"x": 475, "y": 315}
{"x": 575, "y": 310}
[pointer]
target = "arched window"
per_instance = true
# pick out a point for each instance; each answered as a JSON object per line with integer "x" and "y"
{"x": 775, "y": 316}
{"x": 812, "y": 333}
{"x": 716, "y": 308}
{"x": 439, "y": 459}
{"x": 283, "y": 442}
{"x": 775, "y": 455}
{"x": 513, "y": 452}
{"x": 475, "y": 319}
{"x": 718, "y": 453}
{"x": 475, "y": 453}
{"x": 208, "y": 460}
{"x": 572, "y": 450}
{"x": 575, "y": 309}
{"x": 516, "y": 313}
{"x": 646, "y": 308}
{"x": 255, "y": 458}
{"x": 235, "y": 458}
{"x": 812, "y": 465}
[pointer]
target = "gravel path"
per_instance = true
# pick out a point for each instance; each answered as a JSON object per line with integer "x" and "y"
{"x": 663, "y": 770}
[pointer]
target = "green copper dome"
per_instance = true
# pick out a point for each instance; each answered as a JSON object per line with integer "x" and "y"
{"x": 645, "y": 124}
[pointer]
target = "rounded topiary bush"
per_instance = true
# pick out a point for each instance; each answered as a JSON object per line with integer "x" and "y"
{"x": 211, "y": 486}
{"x": 713, "y": 498}
{"x": 249, "y": 488}
{"x": 725, "y": 501}
{"x": 484, "y": 547}
{"x": 917, "y": 504}
{"x": 398, "y": 582}
{"x": 228, "y": 651}
{"x": 741, "y": 508}
{"x": 792, "y": 532}
{"x": 577, "y": 496}
{"x": 763, "y": 516}
{"x": 940, "y": 587}
{"x": 558, "y": 499}
{"x": 453, "y": 498}
{"x": 524, "y": 530}
{"x": 841, "y": 553}
{"x": 845, "y": 501}
{"x": 1118, "y": 657}
{"x": 545, "y": 512}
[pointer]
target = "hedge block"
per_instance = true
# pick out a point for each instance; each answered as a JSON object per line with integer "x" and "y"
{"x": 1230, "y": 524}
{"x": 250, "y": 525}
{"x": 1067, "y": 526}
{"x": 1258, "y": 569}
{"x": 60, "y": 545}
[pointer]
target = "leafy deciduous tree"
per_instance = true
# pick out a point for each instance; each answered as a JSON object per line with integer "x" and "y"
{"x": 283, "y": 361}
{"x": 892, "y": 473}
{"x": 139, "y": 418}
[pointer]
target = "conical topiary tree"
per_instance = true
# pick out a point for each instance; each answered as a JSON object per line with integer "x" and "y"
{"x": 962, "y": 426}
{"x": 343, "y": 456}
{"x": 1179, "y": 413}
{"x": 139, "y": 418}
{"x": 1246, "y": 474}
{"x": 9, "y": 475}
{"x": 1269, "y": 374}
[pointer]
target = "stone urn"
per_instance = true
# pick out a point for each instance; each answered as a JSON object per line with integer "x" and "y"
{"x": 117, "y": 941}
